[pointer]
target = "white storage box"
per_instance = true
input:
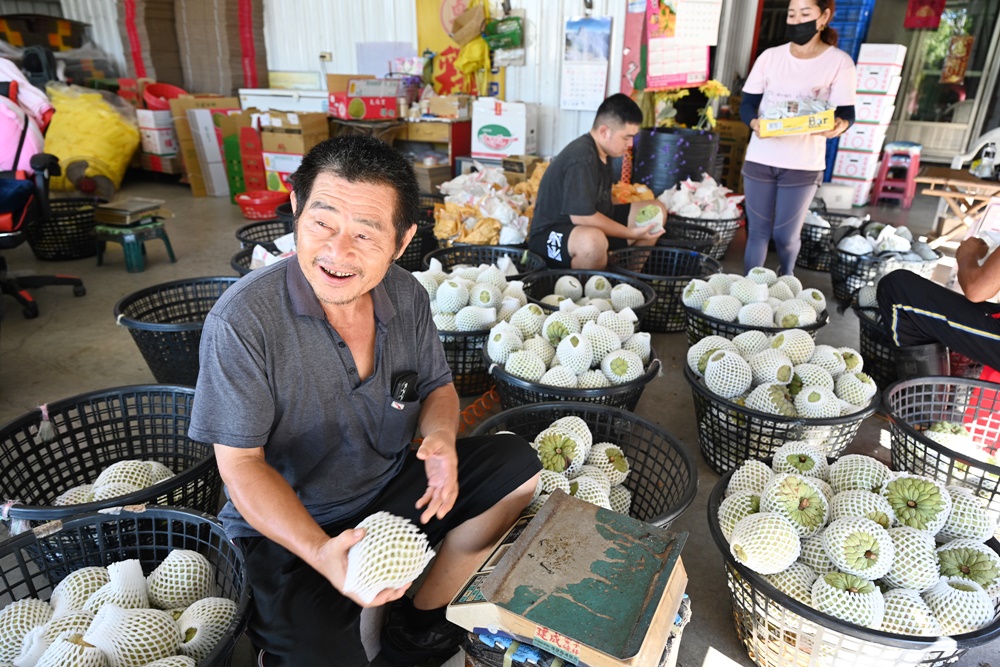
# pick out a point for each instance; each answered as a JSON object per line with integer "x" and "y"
{"x": 882, "y": 54}
{"x": 267, "y": 99}
{"x": 855, "y": 164}
{"x": 501, "y": 129}
{"x": 876, "y": 109}
{"x": 156, "y": 130}
{"x": 864, "y": 137}
{"x": 861, "y": 189}
{"x": 883, "y": 79}
{"x": 836, "y": 196}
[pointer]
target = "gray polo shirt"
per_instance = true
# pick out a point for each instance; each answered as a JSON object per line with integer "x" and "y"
{"x": 275, "y": 374}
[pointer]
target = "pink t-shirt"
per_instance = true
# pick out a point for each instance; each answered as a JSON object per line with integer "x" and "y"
{"x": 780, "y": 76}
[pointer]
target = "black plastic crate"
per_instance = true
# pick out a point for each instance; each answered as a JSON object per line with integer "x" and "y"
{"x": 700, "y": 325}
{"x": 423, "y": 242}
{"x": 263, "y": 233}
{"x": 667, "y": 271}
{"x": 849, "y": 272}
{"x": 876, "y": 347}
{"x": 241, "y": 261}
{"x": 166, "y": 321}
{"x": 726, "y": 229}
{"x": 463, "y": 351}
{"x": 68, "y": 233}
{"x": 525, "y": 261}
{"x": 817, "y": 242}
{"x": 689, "y": 236}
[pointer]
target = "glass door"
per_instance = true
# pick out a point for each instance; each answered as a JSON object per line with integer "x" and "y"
{"x": 948, "y": 80}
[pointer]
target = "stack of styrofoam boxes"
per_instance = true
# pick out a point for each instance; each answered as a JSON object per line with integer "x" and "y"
{"x": 879, "y": 74}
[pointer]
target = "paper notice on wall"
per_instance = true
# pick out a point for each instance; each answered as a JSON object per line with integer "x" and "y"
{"x": 585, "y": 62}
{"x": 698, "y": 22}
{"x": 671, "y": 63}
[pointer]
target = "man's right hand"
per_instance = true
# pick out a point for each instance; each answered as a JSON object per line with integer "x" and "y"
{"x": 331, "y": 561}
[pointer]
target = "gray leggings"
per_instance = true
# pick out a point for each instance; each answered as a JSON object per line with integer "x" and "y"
{"x": 776, "y": 203}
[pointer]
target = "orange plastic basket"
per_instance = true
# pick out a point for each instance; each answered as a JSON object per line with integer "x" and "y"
{"x": 261, "y": 204}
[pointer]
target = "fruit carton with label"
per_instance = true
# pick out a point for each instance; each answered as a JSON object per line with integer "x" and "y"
{"x": 362, "y": 108}
{"x": 501, "y": 129}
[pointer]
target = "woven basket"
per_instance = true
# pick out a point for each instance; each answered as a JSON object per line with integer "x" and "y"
{"x": 515, "y": 391}
{"x": 730, "y": 433}
{"x": 849, "y": 272}
{"x": 94, "y": 430}
{"x": 663, "y": 478}
{"x": 263, "y": 233}
{"x": 539, "y": 285}
{"x": 667, "y": 271}
{"x": 241, "y": 261}
{"x": 165, "y": 322}
{"x": 875, "y": 346}
{"x": 815, "y": 253}
{"x": 525, "y": 261}
{"x": 779, "y": 631}
{"x": 914, "y": 405}
{"x": 699, "y": 238}
{"x": 700, "y": 325}
{"x": 68, "y": 233}
{"x": 463, "y": 351}
{"x": 726, "y": 229}
{"x": 32, "y": 564}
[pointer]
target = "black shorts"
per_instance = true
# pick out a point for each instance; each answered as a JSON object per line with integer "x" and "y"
{"x": 553, "y": 244}
{"x": 300, "y": 619}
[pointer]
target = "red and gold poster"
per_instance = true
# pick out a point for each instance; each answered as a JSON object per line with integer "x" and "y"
{"x": 924, "y": 14}
{"x": 956, "y": 61}
{"x": 434, "y": 19}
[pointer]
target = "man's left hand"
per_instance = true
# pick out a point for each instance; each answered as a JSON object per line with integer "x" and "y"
{"x": 441, "y": 465}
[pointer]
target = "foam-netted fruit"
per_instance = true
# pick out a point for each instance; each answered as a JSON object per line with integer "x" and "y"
{"x": 597, "y": 287}
{"x": 698, "y": 354}
{"x": 796, "y": 343}
{"x": 568, "y": 287}
{"x": 970, "y": 559}
{"x": 906, "y": 613}
{"x": 968, "y": 518}
{"x": 722, "y": 307}
{"x": 829, "y": 359}
{"x": 734, "y": 508}
{"x": 620, "y": 498}
{"x": 762, "y": 275}
{"x": 172, "y": 661}
{"x": 771, "y": 398}
{"x": 855, "y": 471}
{"x": 528, "y": 319}
{"x": 594, "y": 473}
{"x": 755, "y": 314}
{"x": 919, "y": 502}
{"x": 610, "y": 460}
{"x": 84, "y": 493}
{"x": 800, "y": 458}
{"x": 865, "y": 504}
{"x": 39, "y": 639}
{"x": 639, "y": 343}
{"x": 602, "y": 340}
{"x": 133, "y": 637}
{"x": 814, "y": 298}
{"x": 849, "y": 598}
{"x": 771, "y": 365}
{"x": 590, "y": 490}
{"x": 621, "y": 366}
{"x": 622, "y": 323}
{"x": 549, "y": 481}
{"x": 526, "y": 365}
{"x": 575, "y": 353}
{"x": 135, "y": 473}
{"x": 392, "y": 553}
{"x": 794, "y": 284}
{"x": 915, "y": 565}
{"x": 695, "y": 293}
{"x": 751, "y": 476}
{"x": 765, "y": 542}
{"x": 747, "y": 291}
{"x": 452, "y": 296}
{"x": 592, "y": 379}
{"x": 815, "y": 402}
{"x": 558, "y": 325}
{"x": 720, "y": 282}
{"x": 794, "y": 313}
{"x": 625, "y": 296}
{"x": 852, "y": 359}
{"x": 727, "y": 374}
{"x": 799, "y": 500}
{"x": 855, "y": 388}
{"x": 559, "y": 376}
{"x": 859, "y": 546}
{"x": 72, "y": 593}
{"x": 500, "y": 344}
{"x": 70, "y": 650}
{"x": 750, "y": 343}
{"x": 17, "y": 619}
{"x": 813, "y": 554}
{"x": 780, "y": 291}
{"x": 204, "y": 624}
{"x": 126, "y": 588}
{"x": 809, "y": 375}
{"x": 795, "y": 581}
{"x": 182, "y": 578}
{"x": 960, "y": 605}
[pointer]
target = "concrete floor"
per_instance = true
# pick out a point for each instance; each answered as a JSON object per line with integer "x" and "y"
{"x": 74, "y": 346}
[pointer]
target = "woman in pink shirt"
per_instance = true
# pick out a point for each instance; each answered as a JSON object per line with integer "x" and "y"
{"x": 781, "y": 174}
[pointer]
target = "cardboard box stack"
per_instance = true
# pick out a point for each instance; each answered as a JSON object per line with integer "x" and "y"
{"x": 734, "y": 135}
{"x": 501, "y": 129}
{"x": 149, "y": 41}
{"x": 187, "y": 145}
{"x": 222, "y": 42}
{"x": 156, "y": 131}
{"x": 285, "y": 139}
{"x": 879, "y": 69}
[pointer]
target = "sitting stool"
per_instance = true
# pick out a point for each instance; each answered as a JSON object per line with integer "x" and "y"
{"x": 133, "y": 240}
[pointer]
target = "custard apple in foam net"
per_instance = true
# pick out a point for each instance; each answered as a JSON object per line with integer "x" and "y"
{"x": 560, "y": 451}
{"x": 622, "y": 323}
{"x": 735, "y": 507}
{"x": 814, "y": 298}
{"x": 575, "y": 353}
{"x": 500, "y": 344}
{"x": 126, "y": 588}
{"x": 508, "y": 307}
{"x": 183, "y": 577}
{"x": 392, "y": 554}
{"x": 906, "y": 613}
{"x": 780, "y": 291}
{"x": 569, "y": 287}
{"x": 968, "y": 519}
{"x": 601, "y": 304}
{"x": 727, "y": 374}
{"x": 39, "y": 639}
{"x": 771, "y": 365}
{"x": 815, "y": 402}
{"x": 859, "y": 546}
{"x": 204, "y": 624}
{"x": 428, "y": 282}
{"x": 863, "y": 504}
{"x": 77, "y": 495}
{"x": 698, "y": 354}
{"x": 549, "y": 481}
{"x": 587, "y": 314}
{"x": 919, "y": 502}
{"x": 560, "y": 376}
{"x": 829, "y": 359}
{"x": 475, "y": 318}
{"x": 755, "y": 315}
{"x": 748, "y": 291}
{"x": 17, "y": 619}
{"x": 855, "y": 471}
{"x": 771, "y": 398}
{"x": 541, "y": 348}
{"x": 762, "y": 275}
{"x": 492, "y": 275}
{"x": 916, "y": 563}
{"x": 72, "y": 593}
{"x": 603, "y": 340}
{"x": 558, "y": 325}
{"x": 720, "y": 282}
{"x": 764, "y": 542}
{"x": 696, "y": 292}
{"x": 114, "y": 490}
{"x": 620, "y": 499}
{"x": 535, "y": 505}
{"x": 798, "y": 499}
{"x": 173, "y": 661}
{"x": 794, "y": 284}
{"x": 592, "y": 379}
{"x": 576, "y": 427}
{"x": 133, "y": 637}
{"x": 800, "y": 458}
{"x": 591, "y": 491}
{"x": 855, "y": 388}
{"x": 796, "y": 343}
{"x": 597, "y": 287}
{"x": 158, "y": 472}
{"x": 452, "y": 296}
{"x": 445, "y": 322}
{"x": 625, "y": 296}
{"x": 849, "y": 598}
{"x": 752, "y": 476}
{"x": 621, "y": 366}
{"x": 528, "y": 319}
{"x": 610, "y": 460}
{"x": 794, "y": 313}
{"x": 135, "y": 473}
{"x": 526, "y": 365}
{"x": 795, "y": 581}
{"x": 722, "y": 307}
{"x": 70, "y": 650}
{"x": 515, "y": 290}
{"x": 813, "y": 554}
{"x": 970, "y": 559}
{"x": 960, "y": 605}
{"x": 750, "y": 343}
{"x": 640, "y": 343}
{"x": 853, "y": 360}
{"x": 594, "y": 473}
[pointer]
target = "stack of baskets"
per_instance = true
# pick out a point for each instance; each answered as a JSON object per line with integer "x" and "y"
{"x": 166, "y": 321}
{"x": 850, "y": 272}
{"x": 668, "y": 271}
{"x": 258, "y": 233}
{"x": 725, "y": 228}
{"x": 816, "y": 252}
{"x": 68, "y": 233}
{"x": 700, "y": 325}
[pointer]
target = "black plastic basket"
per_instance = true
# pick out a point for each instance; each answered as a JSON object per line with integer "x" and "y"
{"x": 663, "y": 478}
{"x": 875, "y": 346}
{"x": 525, "y": 261}
{"x": 32, "y": 564}
{"x": 263, "y": 233}
{"x": 94, "y": 430}
{"x": 515, "y": 391}
{"x": 815, "y": 253}
{"x": 423, "y": 242}
{"x": 165, "y": 322}
{"x": 241, "y": 261}
{"x": 539, "y": 285}
{"x": 726, "y": 229}
{"x": 914, "y": 405}
{"x": 779, "y": 631}
{"x": 68, "y": 233}
{"x": 850, "y": 272}
{"x": 667, "y": 271}
{"x": 463, "y": 350}
{"x": 700, "y": 325}
{"x": 730, "y": 433}
{"x": 689, "y": 236}
{"x": 284, "y": 212}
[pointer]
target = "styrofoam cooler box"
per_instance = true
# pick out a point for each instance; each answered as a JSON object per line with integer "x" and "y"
{"x": 882, "y": 54}
{"x": 876, "y": 109}
{"x": 855, "y": 164}
{"x": 836, "y": 196}
{"x": 883, "y": 79}
{"x": 863, "y": 137}
{"x": 501, "y": 129}
{"x": 861, "y": 189}
{"x": 156, "y": 131}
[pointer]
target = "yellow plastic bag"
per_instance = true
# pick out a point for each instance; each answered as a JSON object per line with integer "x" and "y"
{"x": 90, "y": 135}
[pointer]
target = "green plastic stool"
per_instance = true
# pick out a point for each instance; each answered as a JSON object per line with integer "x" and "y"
{"x": 133, "y": 241}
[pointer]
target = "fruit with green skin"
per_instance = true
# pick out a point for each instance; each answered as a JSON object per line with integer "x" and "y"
{"x": 704, "y": 349}
{"x": 77, "y": 495}
{"x": 181, "y": 579}
{"x": 41, "y": 637}
{"x": 906, "y": 613}
{"x": 528, "y": 319}
{"x": 849, "y": 598}
{"x": 794, "y": 284}
{"x": 135, "y": 473}
{"x": 747, "y": 291}
{"x": 625, "y": 296}
{"x": 796, "y": 343}
{"x": 621, "y": 323}
{"x": 558, "y": 325}
{"x": 771, "y": 398}
{"x": 796, "y": 581}
{"x": 650, "y": 216}
{"x": 780, "y": 291}
{"x": 501, "y": 344}
{"x": 861, "y": 503}
{"x": 452, "y": 296}
{"x": 391, "y": 554}
{"x": 17, "y": 619}
{"x": 72, "y": 593}
{"x": 960, "y": 605}
{"x": 814, "y": 555}
{"x": 133, "y": 637}
{"x": 526, "y": 365}
{"x": 734, "y": 508}
{"x": 204, "y": 624}
{"x": 855, "y": 471}
{"x": 620, "y": 499}
{"x": 70, "y": 650}
{"x": 752, "y": 476}
{"x": 576, "y": 427}
{"x": 814, "y": 298}
{"x": 797, "y": 499}
{"x": 589, "y": 490}
{"x": 919, "y": 502}
{"x": 575, "y": 353}
{"x": 592, "y": 379}
{"x": 602, "y": 340}
{"x": 950, "y": 434}
{"x": 970, "y": 559}
{"x": 809, "y": 375}
{"x": 765, "y": 542}
{"x": 800, "y": 458}
{"x": 855, "y": 388}
{"x": 126, "y": 588}
{"x": 829, "y": 359}
{"x": 610, "y": 460}
{"x": 621, "y": 366}
{"x": 762, "y": 275}
{"x": 727, "y": 374}
{"x": 720, "y": 282}
{"x": 597, "y": 287}
{"x": 815, "y": 402}
{"x": 540, "y": 347}
{"x": 852, "y": 360}
{"x": 568, "y": 287}
{"x": 968, "y": 518}
{"x": 794, "y": 313}
{"x": 639, "y": 342}
{"x": 750, "y": 343}
{"x": 594, "y": 473}
{"x": 859, "y": 546}
{"x": 722, "y": 307}
{"x": 916, "y": 564}
{"x": 549, "y": 481}
{"x": 755, "y": 315}
{"x": 559, "y": 451}
{"x": 560, "y": 376}
{"x": 771, "y": 366}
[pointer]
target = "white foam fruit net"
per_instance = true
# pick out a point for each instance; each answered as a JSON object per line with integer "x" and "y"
{"x": 751, "y": 476}
{"x": 855, "y": 471}
{"x": 576, "y": 427}
{"x": 728, "y": 374}
{"x": 865, "y": 609}
{"x": 392, "y": 554}
{"x": 596, "y": 474}
{"x": 72, "y": 593}
{"x": 968, "y": 519}
{"x": 126, "y": 588}
{"x": 915, "y": 565}
{"x": 795, "y": 581}
{"x": 960, "y": 605}
{"x": 549, "y": 481}
{"x": 734, "y": 508}
{"x": 859, "y": 503}
{"x": 906, "y": 613}
{"x": 620, "y": 498}
{"x": 859, "y": 546}
{"x": 158, "y": 472}
{"x": 70, "y": 650}
{"x": 765, "y": 542}
{"x": 814, "y": 555}
{"x": 75, "y": 496}
{"x": 114, "y": 490}
{"x": 135, "y": 473}
{"x": 590, "y": 490}
{"x": 183, "y": 578}
{"x": 203, "y": 624}
{"x": 173, "y": 661}
{"x": 133, "y": 637}
{"x": 18, "y": 619}
{"x": 42, "y": 637}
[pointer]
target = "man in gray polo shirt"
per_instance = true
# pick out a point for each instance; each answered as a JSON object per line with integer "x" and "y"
{"x": 315, "y": 373}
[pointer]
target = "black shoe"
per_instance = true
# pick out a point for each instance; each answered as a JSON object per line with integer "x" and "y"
{"x": 403, "y": 645}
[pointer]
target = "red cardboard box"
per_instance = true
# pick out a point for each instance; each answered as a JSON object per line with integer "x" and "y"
{"x": 362, "y": 108}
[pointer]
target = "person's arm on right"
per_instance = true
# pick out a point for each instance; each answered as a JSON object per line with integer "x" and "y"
{"x": 979, "y": 282}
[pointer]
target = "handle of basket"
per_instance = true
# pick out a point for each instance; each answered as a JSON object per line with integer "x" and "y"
{"x": 659, "y": 367}
{"x": 46, "y": 433}
{"x": 14, "y": 526}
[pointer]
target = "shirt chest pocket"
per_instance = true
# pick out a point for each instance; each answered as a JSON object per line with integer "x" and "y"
{"x": 399, "y": 423}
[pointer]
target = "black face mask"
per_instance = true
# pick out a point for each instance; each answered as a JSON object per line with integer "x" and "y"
{"x": 800, "y": 33}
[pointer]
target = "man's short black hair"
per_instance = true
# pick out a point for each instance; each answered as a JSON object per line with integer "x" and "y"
{"x": 362, "y": 159}
{"x": 618, "y": 110}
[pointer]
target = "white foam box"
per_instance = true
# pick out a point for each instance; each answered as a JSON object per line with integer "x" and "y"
{"x": 883, "y": 79}
{"x": 882, "y": 54}
{"x": 501, "y": 129}
{"x": 864, "y": 137}
{"x": 861, "y": 189}
{"x": 876, "y": 109}
{"x": 156, "y": 130}
{"x": 855, "y": 164}
{"x": 836, "y": 196}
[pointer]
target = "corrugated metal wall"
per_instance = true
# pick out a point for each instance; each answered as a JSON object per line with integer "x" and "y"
{"x": 102, "y": 15}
